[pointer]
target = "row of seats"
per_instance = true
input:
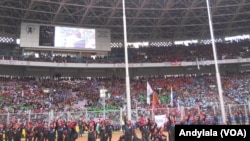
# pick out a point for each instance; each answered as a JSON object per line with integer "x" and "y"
{"x": 150, "y": 54}
{"x": 64, "y": 94}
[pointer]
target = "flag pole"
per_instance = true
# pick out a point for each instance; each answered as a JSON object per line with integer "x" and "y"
{"x": 126, "y": 62}
{"x": 223, "y": 113}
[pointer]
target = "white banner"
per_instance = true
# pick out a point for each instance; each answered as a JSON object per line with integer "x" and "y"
{"x": 160, "y": 120}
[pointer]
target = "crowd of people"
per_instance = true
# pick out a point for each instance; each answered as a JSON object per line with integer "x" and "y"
{"x": 145, "y": 54}
{"x": 39, "y": 131}
{"x": 145, "y": 129}
{"x": 196, "y": 93}
{"x": 61, "y": 130}
{"x": 21, "y": 94}
{"x": 65, "y": 94}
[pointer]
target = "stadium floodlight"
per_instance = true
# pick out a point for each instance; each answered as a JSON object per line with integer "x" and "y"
{"x": 126, "y": 62}
{"x": 223, "y": 113}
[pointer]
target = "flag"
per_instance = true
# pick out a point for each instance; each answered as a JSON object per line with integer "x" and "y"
{"x": 171, "y": 97}
{"x": 149, "y": 92}
{"x": 155, "y": 100}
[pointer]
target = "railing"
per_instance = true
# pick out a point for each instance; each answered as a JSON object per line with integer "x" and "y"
{"x": 116, "y": 116}
{"x": 7, "y": 60}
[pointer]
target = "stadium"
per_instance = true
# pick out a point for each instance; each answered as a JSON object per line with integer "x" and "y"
{"x": 75, "y": 62}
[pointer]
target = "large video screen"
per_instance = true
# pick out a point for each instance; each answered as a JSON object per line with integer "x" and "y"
{"x": 56, "y": 37}
{"x": 80, "y": 38}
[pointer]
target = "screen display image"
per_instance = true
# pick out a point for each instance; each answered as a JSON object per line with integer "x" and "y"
{"x": 67, "y": 37}
{"x": 46, "y": 36}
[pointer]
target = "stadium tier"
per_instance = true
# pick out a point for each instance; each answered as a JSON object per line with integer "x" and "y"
{"x": 74, "y": 67}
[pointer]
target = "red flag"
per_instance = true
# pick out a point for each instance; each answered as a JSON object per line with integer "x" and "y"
{"x": 155, "y": 99}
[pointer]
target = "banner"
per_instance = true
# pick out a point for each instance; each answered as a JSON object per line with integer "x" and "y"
{"x": 175, "y": 63}
{"x": 160, "y": 120}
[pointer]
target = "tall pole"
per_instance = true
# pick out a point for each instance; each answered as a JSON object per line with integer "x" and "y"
{"x": 103, "y": 92}
{"x": 223, "y": 113}
{"x": 126, "y": 62}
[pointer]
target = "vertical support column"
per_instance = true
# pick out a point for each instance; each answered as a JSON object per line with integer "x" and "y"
{"x": 121, "y": 119}
{"x": 68, "y": 116}
{"x": 245, "y": 109}
{"x": 136, "y": 110}
{"x": 104, "y": 111}
{"x": 23, "y": 51}
{"x": 215, "y": 112}
{"x": 52, "y": 115}
{"x": 29, "y": 116}
{"x": 248, "y": 106}
{"x": 52, "y": 53}
{"x": 8, "y": 117}
{"x": 86, "y": 114}
{"x": 182, "y": 112}
{"x": 80, "y": 54}
{"x": 49, "y": 114}
{"x": 229, "y": 108}
{"x": 153, "y": 113}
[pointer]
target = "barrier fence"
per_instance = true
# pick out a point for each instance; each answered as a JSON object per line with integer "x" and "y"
{"x": 116, "y": 116}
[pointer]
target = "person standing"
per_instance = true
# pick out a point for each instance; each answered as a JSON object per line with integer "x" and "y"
{"x": 69, "y": 131}
{"x": 17, "y": 132}
{"x": 145, "y": 131}
{"x": 29, "y": 132}
{"x": 74, "y": 134}
{"x": 80, "y": 124}
{"x": 129, "y": 132}
{"x": 52, "y": 132}
{"x": 9, "y": 132}
{"x": 109, "y": 130}
{"x": 171, "y": 128}
{"x": 141, "y": 123}
{"x": 152, "y": 127}
{"x": 216, "y": 119}
{"x": 97, "y": 129}
{"x": 102, "y": 132}
{"x": 59, "y": 128}
{"x": 243, "y": 118}
{"x": 46, "y": 133}
{"x": 38, "y": 132}
{"x": 91, "y": 133}
{"x": 1, "y": 132}
{"x": 237, "y": 118}
{"x": 248, "y": 116}
{"x": 229, "y": 119}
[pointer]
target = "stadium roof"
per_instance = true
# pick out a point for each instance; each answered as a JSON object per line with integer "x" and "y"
{"x": 147, "y": 20}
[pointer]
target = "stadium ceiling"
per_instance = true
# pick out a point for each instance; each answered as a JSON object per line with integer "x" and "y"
{"x": 147, "y": 20}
